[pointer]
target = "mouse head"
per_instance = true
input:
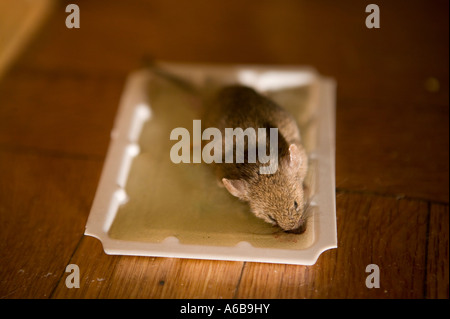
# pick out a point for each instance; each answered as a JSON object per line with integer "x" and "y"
{"x": 277, "y": 198}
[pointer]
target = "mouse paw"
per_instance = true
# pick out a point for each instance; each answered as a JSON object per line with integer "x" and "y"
{"x": 220, "y": 183}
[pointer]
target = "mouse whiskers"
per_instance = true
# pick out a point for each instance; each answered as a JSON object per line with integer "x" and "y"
{"x": 308, "y": 210}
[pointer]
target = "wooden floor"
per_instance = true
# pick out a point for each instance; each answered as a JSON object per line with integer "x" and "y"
{"x": 58, "y": 103}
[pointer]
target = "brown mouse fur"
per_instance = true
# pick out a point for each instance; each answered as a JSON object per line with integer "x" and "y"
{"x": 277, "y": 198}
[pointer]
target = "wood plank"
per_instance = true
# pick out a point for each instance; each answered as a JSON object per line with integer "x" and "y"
{"x": 104, "y": 276}
{"x": 386, "y": 63}
{"x": 393, "y": 148}
{"x": 371, "y": 230}
{"x": 59, "y": 101}
{"x": 44, "y": 204}
{"x": 437, "y": 267}
{"x": 57, "y": 112}
{"x": 19, "y": 21}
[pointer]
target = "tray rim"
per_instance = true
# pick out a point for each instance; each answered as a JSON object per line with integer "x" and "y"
{"x": 110, "y": 193}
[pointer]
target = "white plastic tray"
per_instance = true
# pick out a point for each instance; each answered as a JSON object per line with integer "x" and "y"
{"x": 125, "y": 234}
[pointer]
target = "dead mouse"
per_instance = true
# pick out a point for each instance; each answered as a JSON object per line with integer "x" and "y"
{"x": 277, "y": 198}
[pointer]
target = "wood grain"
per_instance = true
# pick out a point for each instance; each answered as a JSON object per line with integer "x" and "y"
{"x": 371, "y": 230}
{"x": 391, "y": 62}
{"x": 44, "y": 204}
{"x": 104, "y": 276}
{"x": 58, "y": 103}
{"x": 69, "y": 114}
{"x": 19, "y": 20}
{"x": 378, "y": 148}
{"x": 437, "y": 266}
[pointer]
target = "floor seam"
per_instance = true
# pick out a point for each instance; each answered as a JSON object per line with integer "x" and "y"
{"x": 62, "y": 274}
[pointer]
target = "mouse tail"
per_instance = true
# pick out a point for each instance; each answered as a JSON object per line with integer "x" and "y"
{"x": 195, "y": 94}
{"x": 152, "y": 65}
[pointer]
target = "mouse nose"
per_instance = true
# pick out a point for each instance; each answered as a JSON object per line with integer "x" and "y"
{"x": 300, "y": 230}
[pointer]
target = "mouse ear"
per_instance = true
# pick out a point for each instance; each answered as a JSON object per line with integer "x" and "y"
{"x": 298, "y": 159}
{"x": 295, "y": 156}
{"x": 236, "y": 187}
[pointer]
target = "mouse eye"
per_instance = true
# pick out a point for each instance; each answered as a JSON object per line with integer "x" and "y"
{"x": 295, "y": 205}
{"x": 272, "y": 219}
